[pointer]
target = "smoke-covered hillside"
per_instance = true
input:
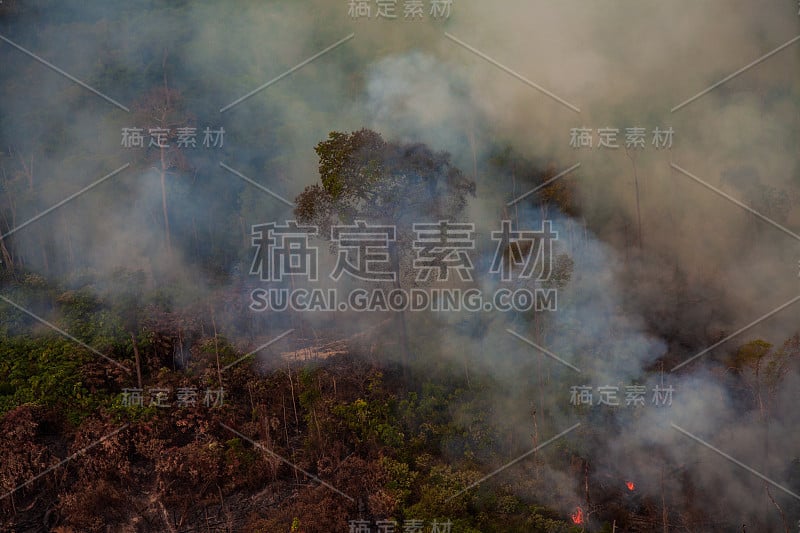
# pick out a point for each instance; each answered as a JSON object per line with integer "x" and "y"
{"x": 395, "y": 265}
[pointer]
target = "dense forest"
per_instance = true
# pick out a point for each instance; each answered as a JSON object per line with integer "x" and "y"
{"x": 218, "y": 222}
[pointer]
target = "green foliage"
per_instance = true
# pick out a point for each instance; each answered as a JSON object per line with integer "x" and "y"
{"x": 371, "y": 421}
{"x": 130, "y": 413}
{"x": 762, "y": 366}
{"x": 350, "y": 165}
{"x": 43, "y": 371}
{"x": 40, "y": 366}
{"x": 400, "y": 477}
{"x": 540, "y": 519}
{"x": 364, "y": 176}
{"x": 219, "y": 345}
{"x": 752, "y": 354}
{"x": 435, "y": 494}
{"x": 238, "y": 457}
{"x": 528, "y": 174}
{"x": 310, "y": 394}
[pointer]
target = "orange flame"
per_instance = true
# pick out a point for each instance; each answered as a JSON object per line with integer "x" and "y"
{"x": 630, "y": 485}
{"x": 577, "y": 516}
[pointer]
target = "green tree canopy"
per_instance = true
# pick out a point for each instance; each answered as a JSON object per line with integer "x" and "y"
{"x": 364, "y": 176}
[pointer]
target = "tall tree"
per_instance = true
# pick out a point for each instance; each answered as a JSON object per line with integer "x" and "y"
{"x": 161, "y": 112}
{"x": 363, "y": 176}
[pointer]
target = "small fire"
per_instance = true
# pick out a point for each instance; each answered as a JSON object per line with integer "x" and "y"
{"x": 577, "y": 516}
{"x": 630, "y": 485}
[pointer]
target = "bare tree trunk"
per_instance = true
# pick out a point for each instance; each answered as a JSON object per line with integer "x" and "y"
{"x": 586, "y": 481}
{"x": 291, "y": 385}
{"x": 164, "y": 209}
{"x": 474, "y": 151}
{"x": 28, "y": 171}
{"x": 664, "y": 513}
{"x": 407, "y": 356}
{"x": 778, "y": 507}
{"x": 138, "y": 360}
{"x": 216, "y": 348}
{"x": 285, "y": 421}
{"x": 8, "y": 260}
{"x": 535, "y": 443}
{"x": 638, "y": 203}
{"x": 163, "y": 160}
{"x": 762, "y": 408}
{"x": 165, "y": 514}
